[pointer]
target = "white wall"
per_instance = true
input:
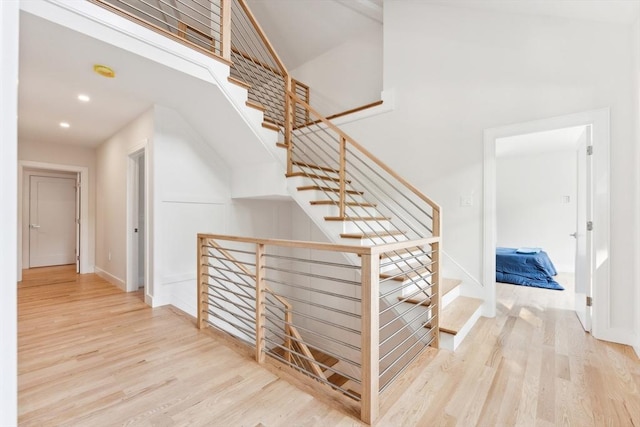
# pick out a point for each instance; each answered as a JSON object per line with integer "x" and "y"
{"x": 459, "y": 71}
{"x": 112, "y": 158}
{"x": 347, "y": 76}
{"x": 530, "y": 207}
{"x": 64, "y": 155}
{"x": 636, "y": 78}
{"x": 192, "y": 194}
{"x": 9, "y": 35}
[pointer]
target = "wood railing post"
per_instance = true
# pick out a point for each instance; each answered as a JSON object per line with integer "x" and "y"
{"x": 435, "y": 259}
{"x": 260, "y": 296}
{"x": 203, "y": 280}
{"x": 225, "y": 28}
{"x": 370, "y": 337}
{"x": 343, "y": 163}
{"x": 288, "y": 124}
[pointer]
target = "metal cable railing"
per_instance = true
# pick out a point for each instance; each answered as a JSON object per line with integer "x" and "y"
{"x": 197, "y": 23}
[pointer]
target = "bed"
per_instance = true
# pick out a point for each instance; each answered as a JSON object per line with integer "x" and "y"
{"x": 526, "y": 267}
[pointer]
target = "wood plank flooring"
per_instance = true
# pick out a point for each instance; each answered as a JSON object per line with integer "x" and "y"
{"x": 92, "y": 355}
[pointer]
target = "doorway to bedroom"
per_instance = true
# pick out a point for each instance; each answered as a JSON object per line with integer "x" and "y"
{"x": 521, "y": 198}
{"x": 539, "y": 201}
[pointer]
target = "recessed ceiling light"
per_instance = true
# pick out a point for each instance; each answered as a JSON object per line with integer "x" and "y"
{"x": 104, "y": 71}
{"x": 64, "y": 125}
{"x": 84, "y": 98}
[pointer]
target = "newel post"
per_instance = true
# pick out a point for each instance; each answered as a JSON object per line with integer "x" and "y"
{"x": 435, "y": 277}
{"x": 343, "y": 164}
{"x": 203, "y": 280}
{"x": 260, "y": 319}
{"x": 225, "y": 28}
{"x": 370, "y": 337}
{"x": 289, "y": 106}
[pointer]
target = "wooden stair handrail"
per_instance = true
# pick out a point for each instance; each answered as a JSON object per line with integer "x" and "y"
{"x": 263, "y": 37}
{"x": 367, "y": 153}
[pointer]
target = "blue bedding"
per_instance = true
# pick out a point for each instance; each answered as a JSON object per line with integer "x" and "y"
{"x": 526, "y": 269}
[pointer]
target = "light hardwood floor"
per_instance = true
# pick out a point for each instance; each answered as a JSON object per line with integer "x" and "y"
{"x": 91, "y": 355}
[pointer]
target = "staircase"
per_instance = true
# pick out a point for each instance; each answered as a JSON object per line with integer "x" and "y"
{"x": 353, "y": 197}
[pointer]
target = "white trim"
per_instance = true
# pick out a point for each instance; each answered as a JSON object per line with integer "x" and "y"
{"x": 111, "y": 278}
{"x": 85, "y": 267}
{"x": 599, "y": 119}
{"x": 9, "y": 46}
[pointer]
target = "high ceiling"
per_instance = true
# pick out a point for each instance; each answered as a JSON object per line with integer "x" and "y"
{"x": 56, "y": 63}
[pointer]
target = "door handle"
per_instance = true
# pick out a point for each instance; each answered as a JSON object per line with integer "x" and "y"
{"x": 34, "y": 226}
{"x": 574, "y": 235}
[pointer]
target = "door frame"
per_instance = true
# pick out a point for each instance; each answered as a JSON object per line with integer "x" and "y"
{"x": 132, "y": 211}
{"x": 85, "y": 267}
{"x": 599, "y": 120}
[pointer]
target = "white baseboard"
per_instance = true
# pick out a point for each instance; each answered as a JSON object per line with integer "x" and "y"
{"x": 111, "y": 278}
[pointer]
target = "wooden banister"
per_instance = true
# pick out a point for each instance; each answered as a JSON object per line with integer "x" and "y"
{"x": 263, "y": 37}
{"x": 368, "y": 154}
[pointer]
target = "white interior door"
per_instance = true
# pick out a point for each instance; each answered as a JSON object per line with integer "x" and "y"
{"x": 584, "y": 245}
{"x": 52, "y": 221}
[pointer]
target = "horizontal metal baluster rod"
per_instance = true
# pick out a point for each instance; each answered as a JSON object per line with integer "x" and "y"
{"x": 246, "y": 28}
{"x": 175, "y": 8}
{"x": 322, "y": 336}
{"x": 225, "y": 258}
{"x": 412, "y": 269}
{"x": 407, "y": 298}
{"x": 249, "y": 332}
{"x": 322, "y": 380}
{"x": 321, "y": 306}
{"x": 230, "y": 250}
{"x": 401, "y": 315}
{"x": 405, "y": 352}
{"x": 315, "y": 276}
{"x": 407, "y": 324}
{"x": 328, "y": 263}
{"x": 238, "y": 316}
{"x": 354, "y": 212}
{"x": 238, "y": 295}
{"x": 326, "y": 322}
{"x": 238, "y": 272}
{"x": 385, "y": 180}
{"x": 318, "y": 291}
{"x": 401, "y": 287}
{"x": 312, "y": 360}
{"x": 394, "y": 349}
{"x": 406, "y": 258}
{"x": 162, "y": 12}
{"x": 227, "y": 280}
{"x": 328, "y": 352}
{"x": 211, "y": 6}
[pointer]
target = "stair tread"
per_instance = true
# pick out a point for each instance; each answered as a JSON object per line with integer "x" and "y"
{"x": 335, "y": 202}
{"x": 281, "y": 145}
{"x": 312, "y": 166}
{"x": 337, "y": 379}
{"x": 455, "y": 315}
{"x": 418, "y": 299}
{"x": 399, "y": 252}
{"x": 269, "y": 125}
{"x": 320, "y": 188}
{"x": 323, "y": 358}
{"x": 239, "y": 82}
{"x": 312, "y": 176}
{"x": 256, "y": 105}
{"x": 352, "y": 218}
{"x": 447, "y": 285}
{"x": 371, "y": 235}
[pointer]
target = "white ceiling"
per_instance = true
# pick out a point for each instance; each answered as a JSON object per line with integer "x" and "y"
{"x": 612, "y": 11}
{"x": 539, "y": 142}
{"x": 56, "y": 63}
{"x": 301, "y": 30}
